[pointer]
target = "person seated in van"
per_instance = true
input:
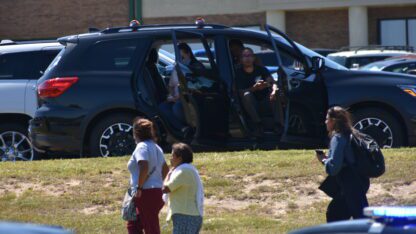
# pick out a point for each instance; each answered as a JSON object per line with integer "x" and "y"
{"x": 197, "y": 76}
{"x": 152, "y": 66}
{"x": 236, "y": 48}
{"x": 172, "y": 108}
{"x": 256, "y": 88}
{"x": 190, "y": 61}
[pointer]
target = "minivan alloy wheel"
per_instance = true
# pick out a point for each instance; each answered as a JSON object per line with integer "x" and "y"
{"x": 117, "y": 140}
{"x": 15, "y": 146}
{"x": 378, "y": 129}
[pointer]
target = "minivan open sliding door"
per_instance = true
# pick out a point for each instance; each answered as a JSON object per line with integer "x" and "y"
{"x": 202, "y": 107}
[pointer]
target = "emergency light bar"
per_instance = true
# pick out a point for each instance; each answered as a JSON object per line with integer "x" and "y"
{"x": 391, "y": 212}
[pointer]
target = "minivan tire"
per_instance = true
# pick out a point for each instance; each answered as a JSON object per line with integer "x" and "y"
{"x": 379, "y": 124}
{"x": 112, "y": 136}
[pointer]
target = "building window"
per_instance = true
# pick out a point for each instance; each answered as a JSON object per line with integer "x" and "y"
{"x": 401, "y": 32}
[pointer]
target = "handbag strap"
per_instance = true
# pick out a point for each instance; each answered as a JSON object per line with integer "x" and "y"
{"x": 157, "y": 160}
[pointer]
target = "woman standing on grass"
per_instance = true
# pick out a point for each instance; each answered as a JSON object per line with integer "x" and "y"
{"x": 148, "y": 169}
{"x": 186, "y": 193}
{"x": 344, "y": 184}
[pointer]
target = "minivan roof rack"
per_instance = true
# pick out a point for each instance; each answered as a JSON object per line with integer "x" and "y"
{"x": 167, "y": 26}
{"x": 377, "y": 47}
{"x": 68, "y": 39}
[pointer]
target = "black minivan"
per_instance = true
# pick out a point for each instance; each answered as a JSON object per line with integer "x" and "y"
{"x": 101, "y": 81}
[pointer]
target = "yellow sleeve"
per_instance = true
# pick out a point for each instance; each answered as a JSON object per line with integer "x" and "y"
{"x": 178, "y": 180}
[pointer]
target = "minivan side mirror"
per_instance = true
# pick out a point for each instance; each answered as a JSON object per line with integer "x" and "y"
{"x": 318, "y": 63}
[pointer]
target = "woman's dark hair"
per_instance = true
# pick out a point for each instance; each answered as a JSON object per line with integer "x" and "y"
{"x": 153, "y": 56}
{"x": 184, "y": 151}
{"x": 143, "y": 129}
{"x": 187, "y": 49}
{"x": 342, "y": 121}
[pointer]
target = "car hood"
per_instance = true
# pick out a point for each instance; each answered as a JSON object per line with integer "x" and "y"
{"x": 395, "y": 78}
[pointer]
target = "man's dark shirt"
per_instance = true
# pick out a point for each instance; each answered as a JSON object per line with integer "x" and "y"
{"x": 246, "y": 80}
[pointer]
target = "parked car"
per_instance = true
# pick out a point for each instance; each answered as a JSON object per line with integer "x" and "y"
{"x": 99, "y": 83}
{"x": 384, "y": 220}
{"x": 406, "y": 65}
{"x": 21, "y": 64}
{"x": 356, "y": 57}
{"x": 29, "y": 228}
{"x": 324, "y": 51}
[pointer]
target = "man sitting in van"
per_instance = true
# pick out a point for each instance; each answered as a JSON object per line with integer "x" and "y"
{"x": 257, "y": 88}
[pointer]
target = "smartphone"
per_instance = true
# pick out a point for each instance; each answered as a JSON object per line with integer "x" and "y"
{"x": 319, "y": 152}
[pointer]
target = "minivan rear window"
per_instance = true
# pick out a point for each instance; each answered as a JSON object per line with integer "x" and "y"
{"x": 114, "y": 55}
{"x": 55, "y": 61}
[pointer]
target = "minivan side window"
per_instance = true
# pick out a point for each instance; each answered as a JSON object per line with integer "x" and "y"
{"x": 114, "y": 55}
{"x": 24, "y": 65}
{"x": 265, "y": 55}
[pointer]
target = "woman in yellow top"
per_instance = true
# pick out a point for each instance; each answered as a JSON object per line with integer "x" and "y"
{"x": 186, "y": 193}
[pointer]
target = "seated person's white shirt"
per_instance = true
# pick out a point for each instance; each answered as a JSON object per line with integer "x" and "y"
{"x": 173, "y": 86}
{"x": 174, "y": 82}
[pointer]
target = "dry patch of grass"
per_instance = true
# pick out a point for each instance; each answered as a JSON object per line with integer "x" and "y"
{"x": 246, "y": 192}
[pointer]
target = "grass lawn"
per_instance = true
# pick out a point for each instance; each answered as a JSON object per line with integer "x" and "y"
{"x": 246, "y": 192}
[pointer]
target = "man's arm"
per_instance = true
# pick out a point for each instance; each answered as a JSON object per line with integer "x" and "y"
{"x": 252, "y": 89}
{"x": 271, "y": 82}
{"x": 336, "y": 155}
{"x": 275, "y": 88}
{"x": 174, "y": 183}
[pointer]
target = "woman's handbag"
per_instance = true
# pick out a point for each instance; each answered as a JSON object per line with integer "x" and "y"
{"x": 128, "y": 210}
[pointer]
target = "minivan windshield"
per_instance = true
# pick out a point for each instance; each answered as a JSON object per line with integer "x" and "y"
{"x": 328, "y": 62}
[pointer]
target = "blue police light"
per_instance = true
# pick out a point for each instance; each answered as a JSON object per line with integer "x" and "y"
{"x": 134, "y": 23}
{"x": 391, "y": 212}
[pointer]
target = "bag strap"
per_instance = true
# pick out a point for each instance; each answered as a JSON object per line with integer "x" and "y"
{"x": 355, "y": 156}
{"x": 153, "y": 168}
{"x": 157, "y": 160}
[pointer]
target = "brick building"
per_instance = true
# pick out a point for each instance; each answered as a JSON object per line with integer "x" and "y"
{"x": 314, "y": 23}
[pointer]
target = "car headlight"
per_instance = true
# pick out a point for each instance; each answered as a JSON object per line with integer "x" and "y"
{"x": 410, "y": 89}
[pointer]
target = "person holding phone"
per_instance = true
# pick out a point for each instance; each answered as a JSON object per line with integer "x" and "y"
{"x": 256, "y": 87}
{"x": 344, "y": 184}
